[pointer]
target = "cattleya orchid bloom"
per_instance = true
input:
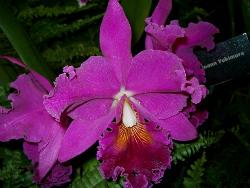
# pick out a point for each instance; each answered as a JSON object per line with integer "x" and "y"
{"x": 182, "y": 41}
{"x": 178, "y": 40}
{"x": 28, "y": 120}
{"x": 132, "y": 105}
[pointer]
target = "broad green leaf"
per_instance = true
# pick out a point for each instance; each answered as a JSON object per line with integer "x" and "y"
{"x": 88, "y": 176}
{"x": 21, "y": 42}
{"x": 137, "y": 11}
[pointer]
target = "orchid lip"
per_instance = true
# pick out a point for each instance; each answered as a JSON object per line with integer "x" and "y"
{"x": 129, "y": 118}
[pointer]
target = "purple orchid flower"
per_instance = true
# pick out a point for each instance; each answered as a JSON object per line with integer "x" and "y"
{"x": 179, "y": 40}
{"x": 28, "y": 120}
{"x": 182, "y": 41}
{"x": 132, "y": 105}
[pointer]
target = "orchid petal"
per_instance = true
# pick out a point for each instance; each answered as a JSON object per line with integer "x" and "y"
{"x": 155, "y": 71}
{"x": 115, "y": 38}
{"x": 158, "y": 17}
{"x": 127, "y": 152}
{"x": 31, "y": 151}
{"x": 180, "y": 127}
{"x": 41, "y": 81}
{"x": 49, "y": 148}
{"x": 162, "y": 106}
{"x": 162, "y": 11}
{"x": 94, "y": 79}
{"x": 92, "y": 110}
{"x": 21, "y": 120}
{"x": 162, "y": 38}
{"x": 58, "y": 175}
{"x": 82, "y": 134}
{"x": 200, "y": 34}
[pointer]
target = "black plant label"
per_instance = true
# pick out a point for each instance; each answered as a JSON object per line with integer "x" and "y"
{"x": 228, "y": 60}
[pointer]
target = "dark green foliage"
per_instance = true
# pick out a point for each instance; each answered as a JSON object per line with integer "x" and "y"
{"x": 15, "y": 169}
{"x": 63, "y": 32}
{"x": 195, "y": 173}
{"x": 88, "y": 176}
{"x": 184, "y": 151}
{"x": 4, "y": 90}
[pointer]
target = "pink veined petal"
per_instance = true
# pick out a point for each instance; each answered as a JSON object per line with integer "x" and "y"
{"x": 115, "y": 38}
{"x": 148, "y": 42}
{"x": 22, "y": 120}
{"x": 82, "y": 134}
{"x": 49, "y": 148}
{"x": 128, "y": 152}
{"x": 198, "y": 92}
{"x": 200, "y": 34}
{"x": 155, "y": 71}
{"x": 13, "y": 60}
{"x": 180, "y": 127}
{"x": 162, "y": 38}
{"x": 162, "y": 11}
{"x": 92, "y": 109}
{"x": 191, "y": 63}
{"x": 94, "y": 79}
{"x": 58, "y": 175}
{"x": 159, "y": 17}
{"x": 195, "y": 115}
{"x": 39, "y": 79}
{"x": 31, "y": 151}
{"x": 162, "y": 106}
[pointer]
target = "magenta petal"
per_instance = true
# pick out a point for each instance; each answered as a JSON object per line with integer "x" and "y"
{"x": 128, "y": 152}
{"x": 82, "y": 134}
{"x": 139, "y": 181}
{"x": 92, "y": 109}
{"x": 31, "y": 151}
{"x": 39, "y": 79}
{"x": 162, "y": 106}
{"x": 155, "y": 71}
{"x": 162, "y": 38}
{"x": 195, "y": 115}
{"x": 162, "y": 11}
{"x": 180, "y": 127}
{"x": 49, "y": 148}
{"x": 94, "y": 79}
{"x": 198, "y": 118}
{"x": 191, "y": 63}
{"x": 22, "y": 120}
{"x": 197, "y": 91}
{"x": 202, "y": 35}
{"x": 58, "y": 175}
{"x": 115, "y": 32}
{"x": 115, "y": 37}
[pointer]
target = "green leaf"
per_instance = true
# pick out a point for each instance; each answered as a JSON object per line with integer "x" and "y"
{"x": 136, "y": 12}
{"x": 21, "y": 42}
{"x": 89, "y": 177}
{"x": 183, "y": 151}
{"x": 195, "y": 173}
{"x": 15, "y": 169}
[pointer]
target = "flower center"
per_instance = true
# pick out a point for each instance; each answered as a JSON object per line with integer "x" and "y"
{"x": 121, "y": 93}
{"x": 129, "y": 118}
